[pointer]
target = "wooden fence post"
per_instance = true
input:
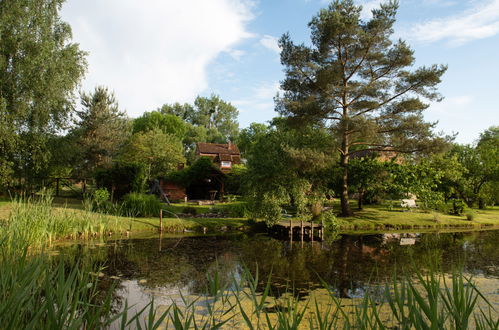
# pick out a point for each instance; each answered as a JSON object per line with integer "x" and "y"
{"x": 161, "y": 220}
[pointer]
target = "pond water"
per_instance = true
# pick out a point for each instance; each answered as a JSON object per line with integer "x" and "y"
{"x": 164, "y": 268}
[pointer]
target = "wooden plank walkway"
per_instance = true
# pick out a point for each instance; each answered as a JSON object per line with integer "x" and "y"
{"x": 300, "y": 229}
{"x": 298, "y": 224}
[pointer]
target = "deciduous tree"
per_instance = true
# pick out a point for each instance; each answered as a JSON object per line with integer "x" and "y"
{"x": 39, "y": 70}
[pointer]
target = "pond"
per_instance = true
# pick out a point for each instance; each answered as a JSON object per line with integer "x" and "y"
{"x": 164, "y": 268}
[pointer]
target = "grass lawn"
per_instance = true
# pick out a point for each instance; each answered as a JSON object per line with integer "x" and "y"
{"x": 118, "y": 224}
{"x": 381, "y": 217}
{"x": 372, "y": 218}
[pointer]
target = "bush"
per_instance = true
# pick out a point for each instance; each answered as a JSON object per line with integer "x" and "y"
{"x": 470, "y": 216}
{"x": 100, "y": 201}
{"x": 121, "y": 179}
{"x": 137, "y": 204}
{"x": 189, "y": 210}
{"x": 458, "y": 207}
{"x": 236, "y": 210}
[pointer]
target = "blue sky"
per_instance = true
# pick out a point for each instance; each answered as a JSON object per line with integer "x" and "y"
{"x": 162, "y": 51}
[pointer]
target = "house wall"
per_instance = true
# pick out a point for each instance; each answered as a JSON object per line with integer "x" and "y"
{"x": 173, "y": 191}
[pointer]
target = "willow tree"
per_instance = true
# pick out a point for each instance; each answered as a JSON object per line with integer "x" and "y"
{"x": 360, "y": 83}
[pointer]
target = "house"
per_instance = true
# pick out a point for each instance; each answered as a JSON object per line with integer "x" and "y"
{"x": 385, "y": 155}
{"x": 222, "y": 155}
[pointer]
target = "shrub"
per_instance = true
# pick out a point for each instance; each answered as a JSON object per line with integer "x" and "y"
{"x": 236, "y": 210}
{"x": 458, "y": 206}
{"x": 100, "y": 201}
{"x": 436, "y": 216}
{"x": 137, "y": 204}
{"x": 121, "y": 179}
{"x": 189, "y": 210}
{"x": 470, "y": 216}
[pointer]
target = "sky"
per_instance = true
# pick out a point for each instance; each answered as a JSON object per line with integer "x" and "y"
{"x": 152, "y": 52}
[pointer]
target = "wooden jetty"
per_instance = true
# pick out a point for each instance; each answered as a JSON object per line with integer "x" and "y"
{"x": 299, "y": 229}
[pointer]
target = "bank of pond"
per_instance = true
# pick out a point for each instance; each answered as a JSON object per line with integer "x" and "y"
{"x": 244, "y": 280}
{"x": 139, "y": 277}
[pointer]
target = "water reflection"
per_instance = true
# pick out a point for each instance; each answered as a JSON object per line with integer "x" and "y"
{"x": 351, "y": 265}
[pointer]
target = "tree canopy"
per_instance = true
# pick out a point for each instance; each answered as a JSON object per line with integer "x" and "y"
{"x": 358, "y": 82}
{"x": 39, "y": 71}
{"x": 102, "y": 129}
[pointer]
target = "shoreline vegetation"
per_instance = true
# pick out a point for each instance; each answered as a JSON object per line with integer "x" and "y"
{"x": 82, "y": 298}
{"x": 68, "y": 219}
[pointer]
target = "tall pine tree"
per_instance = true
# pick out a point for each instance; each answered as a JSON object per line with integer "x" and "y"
{"x": 358, "y": 82}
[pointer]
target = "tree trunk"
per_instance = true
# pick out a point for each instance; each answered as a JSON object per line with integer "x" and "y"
{"x": 345, "y": 207}
{"x": 361, "y": 199}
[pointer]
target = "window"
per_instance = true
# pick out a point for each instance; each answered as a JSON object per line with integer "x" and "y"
{"x": 226, "y": 163}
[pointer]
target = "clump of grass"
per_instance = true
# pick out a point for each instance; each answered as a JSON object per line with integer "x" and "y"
{"x": 436, "y": 217}
{"x": 470, "y": 216}
{"x": 35, "y": 222}
{"x": 137, "y": 204}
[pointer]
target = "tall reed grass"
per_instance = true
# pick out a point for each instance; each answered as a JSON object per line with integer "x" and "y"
{"x": 36, "y": 222}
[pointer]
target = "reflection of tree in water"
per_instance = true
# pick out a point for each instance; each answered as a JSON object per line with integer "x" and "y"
{"x": 183, "y": 262}
{"x": 351, "y": 265}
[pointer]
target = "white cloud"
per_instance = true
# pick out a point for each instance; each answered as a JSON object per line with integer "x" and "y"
{"x": 156, "y": 51}
{"x": 236, "y": 53}
{"x": 367, "y": 7}
{"x": 482, "y": 21}
{"x": 270, "y": 42}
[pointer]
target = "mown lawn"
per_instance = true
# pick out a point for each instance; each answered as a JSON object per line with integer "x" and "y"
{"x": 372, "y": 218}
{"x": 381, "y": 217}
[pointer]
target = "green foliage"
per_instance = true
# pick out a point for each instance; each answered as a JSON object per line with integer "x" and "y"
{"x": 155, "y": 120}
{"x": 208, "y": 120}
{"x": 189, "y": 210}
{"x": 287, "y": 166}
{"x": 458, "y": 206}
{"x": 201, "y": 169}
{"x": 159, "y": 152}
{"x": 101, "y": 130}
{"x": 101, "y": 200}
{"x": 249, "y": 136}
{"x": 233, "y": 210}
{"x": 234, "y": 180}
{"x": 479, "y": 182}
{"x": 143, "y": 205}
{"x": 470, "y": 216}
{"x": 357, "y": 81}
{"x": 39, "y": 70}
{"x": 38, "y": 293}
{"x": 121, "y": 179}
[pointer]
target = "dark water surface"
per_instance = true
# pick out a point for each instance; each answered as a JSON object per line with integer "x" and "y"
{"x": 161, "y": 268}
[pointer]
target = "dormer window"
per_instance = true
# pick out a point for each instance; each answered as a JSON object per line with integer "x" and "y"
{"x": 225, "y": 163}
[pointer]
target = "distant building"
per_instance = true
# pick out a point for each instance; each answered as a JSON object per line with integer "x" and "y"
{"x": 385, "y": 155}
{"x": 222, "y": 155}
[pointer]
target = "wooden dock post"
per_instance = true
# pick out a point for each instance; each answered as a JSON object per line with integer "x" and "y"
{"x": 161, "y": 220}
{"x": 301, "y": 230}
{"x": 291, "y": 229}
{"x": 311, "y": 231}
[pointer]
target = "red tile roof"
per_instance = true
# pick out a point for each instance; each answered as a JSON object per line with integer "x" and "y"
{"x": 217, "y": 148}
